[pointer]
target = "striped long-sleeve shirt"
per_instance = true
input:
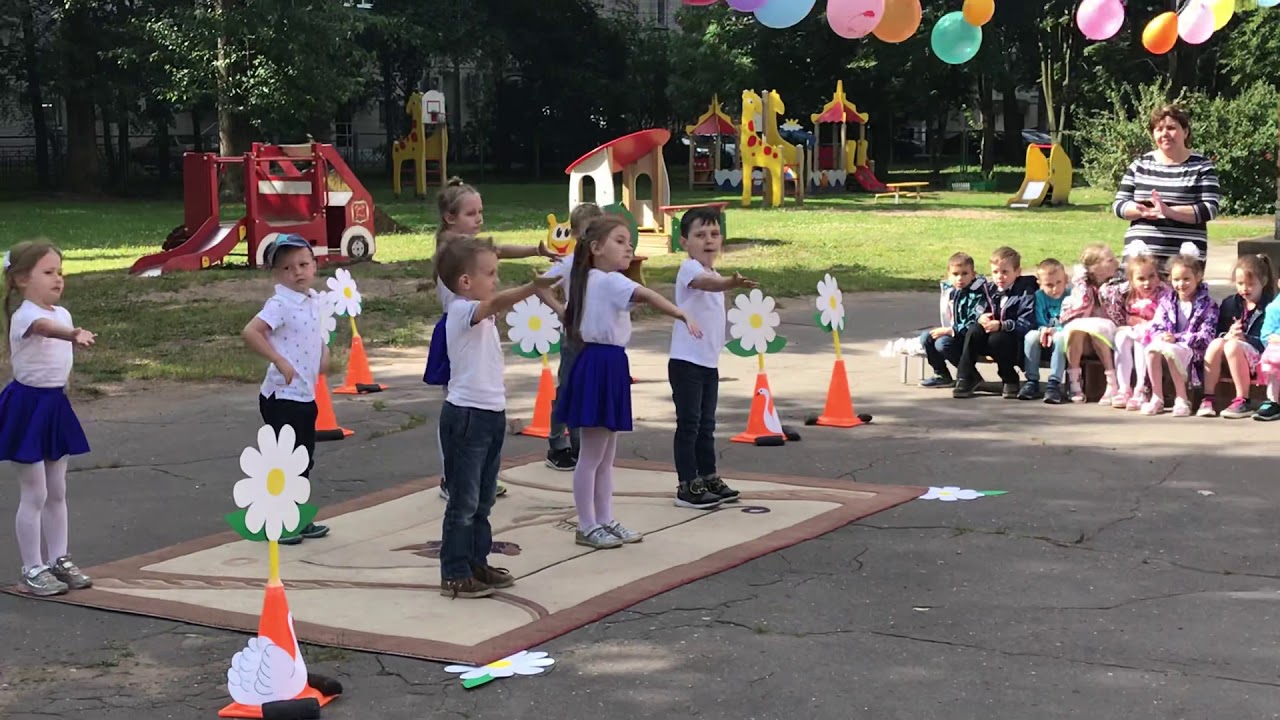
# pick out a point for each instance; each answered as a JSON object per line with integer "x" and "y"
{"x": 1194, "y": 183}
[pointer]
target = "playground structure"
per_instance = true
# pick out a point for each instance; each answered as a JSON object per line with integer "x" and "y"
{"x": 426, "y": 143}
{"x": 636, "y": 156}
{"x": 757, "y": 152}
{"x": 715, "y": 125}
{"x": 842, "y": 163}
{"x": 303, "y": 189}
{"x": 1046, "y": 178}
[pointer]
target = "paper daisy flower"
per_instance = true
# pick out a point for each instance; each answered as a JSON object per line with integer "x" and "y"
{"x": 346, "y": 296}
{"x": 950, "y": 494}
{"x": 328, "y": 315}
{"x": 535, "y": 329}
{"x": 830, "y": 304}
{"x": 274, "y": 487}
{"x": 522, "y": 663}
{"x": 753, "y": 324}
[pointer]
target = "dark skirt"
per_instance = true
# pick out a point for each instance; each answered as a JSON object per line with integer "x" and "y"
{"x": 38, "y": 424}
{"x": 437, "y": 372}
{"x": 598, "y": 393}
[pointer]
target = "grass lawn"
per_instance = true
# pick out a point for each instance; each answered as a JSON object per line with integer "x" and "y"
{"x": 186, "y": 326}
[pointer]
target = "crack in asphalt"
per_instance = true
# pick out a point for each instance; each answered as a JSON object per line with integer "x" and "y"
{"x": 1137, "y": 503}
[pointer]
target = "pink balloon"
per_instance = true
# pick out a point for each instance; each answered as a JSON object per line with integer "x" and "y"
{"x": 747, "y": 5}
{"x": 1195, "y": 23}
{"x": 854, "y": 18}
{"x": 1100, "y": 19}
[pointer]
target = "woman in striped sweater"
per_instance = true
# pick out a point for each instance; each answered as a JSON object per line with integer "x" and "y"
{"x": 1169, "y": 194}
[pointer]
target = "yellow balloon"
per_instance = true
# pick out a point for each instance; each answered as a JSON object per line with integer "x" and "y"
{"x": 1222, "y": 12}
{"x": 979, "y": 12}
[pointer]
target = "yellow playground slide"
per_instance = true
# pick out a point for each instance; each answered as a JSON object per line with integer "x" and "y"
{"x": 1049, "y": 177}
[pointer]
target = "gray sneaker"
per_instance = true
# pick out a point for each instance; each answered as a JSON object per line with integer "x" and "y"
{"x": 42, "y": 583}
{"x": 600, "y": 539}
{"x": 624, "y": 534}
{"x": 67, "y": 572}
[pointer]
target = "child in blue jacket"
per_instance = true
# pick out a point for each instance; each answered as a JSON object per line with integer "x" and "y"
{"x": 1006, "y": 309}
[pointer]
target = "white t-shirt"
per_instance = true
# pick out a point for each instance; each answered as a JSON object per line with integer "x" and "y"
{"x": 475, "y": 359}
{"x": 606, "y": 312}
{"x": 39, "y": 361}
{"x": 294, "y": 319}
{"x": 562, "y": 269}
{"x": 1184, "y": 315}
{"x": 446, "y": 295}
{"x": 706, "y": 309}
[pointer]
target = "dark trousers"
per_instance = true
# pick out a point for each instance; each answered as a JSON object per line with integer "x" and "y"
{"x": 562, "y": 436}
{"x": 1005, "y": 348}
{"x": 301, "y": 416}
{"x": 941, "y": 351}
{"x": 695, "y": 390}
{"x": 472, "y": 440}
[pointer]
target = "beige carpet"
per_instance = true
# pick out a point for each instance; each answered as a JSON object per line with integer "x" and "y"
{"x": 372, "y": 584}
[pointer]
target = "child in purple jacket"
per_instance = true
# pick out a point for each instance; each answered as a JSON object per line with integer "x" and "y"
{"x": 1184, "y": 325}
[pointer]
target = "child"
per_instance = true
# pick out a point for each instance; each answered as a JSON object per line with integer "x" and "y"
{"x": 565, "y": 442}
{"x": 38, "y": 428}
{"x": 597, "y": 397}
{"x": 287, "y": 332}
{"x": 693, "y": 368}
{"x": 943, "y": 344}
{"x": 1006, "y": 309}
{"x": 1143, "y": 294}
{"x": 1089, "y": 315}
{"x": 1269, "y": 364}
{"x": 461, "y": 215}
{"x": 1044, "y": 334}
{"x": 1184, "y": 325}
{"x": 473, "y": 419}
{"x": 1239, "y": 342}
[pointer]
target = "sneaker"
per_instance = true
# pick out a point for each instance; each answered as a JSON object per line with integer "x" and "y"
{"x": 1121, "y": 400}
{"x": 1137, "y": 401}
{"x": 1077, "y": 393}
{"x": 624, "y": 534}
{"x": 444, "y": 494}
{"x": 1108, "y": 395}
{"x": 964, "y": 389}
{"x": 695, "y": 495}
{"x": 1269, "y": 411}
{"x": 938, "y": 381}
{"x": 1206, "y": 409}
{"x": 1030, "y": 390}
{"x": 493, "y": 577}
{"x": 42, "y": 583}
{"x": 1053, "y": 393}
{"x": 562, "y": 460}
{"x": 67, "y": 572}
{"x": 716, "y": 486}
{"x": 467, "y": 588}
{"x": 500, "y": 491}
{"x": 1009, "y": 391}
{"x": 599, "y": 539}
{"x": 1154, "y": 406}
{"x": 1181, "y": 408}
{"x": 1238, "y": 409}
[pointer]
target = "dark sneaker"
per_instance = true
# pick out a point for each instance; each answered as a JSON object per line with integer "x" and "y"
{"x": 1030, "y": 390}
{"x": 1269, "y": 411}
{"x": 938, "y": 381}
{"x": 466, "y": 588}
{"x": 1053, "y": 393}
{"x": 67, "y": 572}
{"x": 1009, "y": 391}
{"x": 1238, "y": 409}
{"x": 716, "y": 486}
{"x": 695, "y": 495}
{"x": 562, "y": 460}
{"x": 965, "y": 389}
{"x": 313, "y": 531}
{"x": 493, "y": 577}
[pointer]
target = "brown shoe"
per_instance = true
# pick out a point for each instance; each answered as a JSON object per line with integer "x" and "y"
{"x": 494, "y": 577}
{"x": 466, "y": 588}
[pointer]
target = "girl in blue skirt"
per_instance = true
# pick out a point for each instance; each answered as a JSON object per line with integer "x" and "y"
{"x": 461, "y": 215}
{"x": 38, "y": 428}
{"x": 597, "y": 396}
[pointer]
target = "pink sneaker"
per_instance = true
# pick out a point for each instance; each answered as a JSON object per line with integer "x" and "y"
{"x": 1206, "y": 409}
{"x": 1122, "y": 400}
{"x": 1077, "y": 393}
{"x": 1181, "y": 408}
{"x": 1136, "y": 402}
{"x": 1154, "y": 406}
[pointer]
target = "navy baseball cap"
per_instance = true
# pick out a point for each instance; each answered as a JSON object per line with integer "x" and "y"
{"x": 288, "y": 240}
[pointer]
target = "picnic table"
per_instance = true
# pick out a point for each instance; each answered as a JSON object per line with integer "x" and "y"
{"x": 897, "y": 190}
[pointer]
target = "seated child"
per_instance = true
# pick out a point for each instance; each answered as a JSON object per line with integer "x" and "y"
{"x": 1239, "y": 342}
{"x": 1139, "y": 297}
{"x": 1184, "y": 325}
{"x": 1006, "y": 309}
{"x": 1090, "y": 316}
{"x": 1043, "y": 335}
{"x": 943, "y": 344}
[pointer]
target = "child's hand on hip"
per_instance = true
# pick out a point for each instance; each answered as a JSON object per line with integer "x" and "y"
{"x": 287, "y": 371}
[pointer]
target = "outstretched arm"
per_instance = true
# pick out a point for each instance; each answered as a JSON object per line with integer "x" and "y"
{"x": 50, "y": 329}
{"x": 666, "y": 307}
{"x": 507, "y": 299}
{"x": 711, "y": 282}
{"x": 513, "y": 252}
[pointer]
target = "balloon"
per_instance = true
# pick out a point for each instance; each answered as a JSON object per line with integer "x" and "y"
{"x": 1222, "y": 12}
{"x": 854, "y": 18}
{"x": 747, "y": 5}
{"x": 1161, "y": 34}
{"x": 901, "y": 18}
{"x": 701, "y": 2}
{"x": 780, "y": 14}
{"x": 1268, "y": 3}
{"x": 954, "y": 40}
{"x": 979, "y": 12}
{"x": 1100, "y": 19}
{"x": 1195, "y": 24}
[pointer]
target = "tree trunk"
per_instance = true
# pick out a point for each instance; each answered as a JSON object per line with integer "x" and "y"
{"x": 234, "y": 130}
{"x": 122, "y": 141}
{"x": 1014, "y": 121}
{"x": 82, "y": 144}
{"x": 108, "y": 151}
{"x": 162, "y": 143}
{"x": 987, "y": 107}
{"x": 35, "y": 94}
{"x": 197, "y": 128}
{"x": 389, "y": 124}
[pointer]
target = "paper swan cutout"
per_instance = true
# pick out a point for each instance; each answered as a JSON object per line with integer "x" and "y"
{"x": 771, "y": 420}
{"x": 264, "y": 672}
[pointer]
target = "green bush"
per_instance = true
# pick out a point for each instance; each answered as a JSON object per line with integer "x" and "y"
{"x": 1238, "y": 134}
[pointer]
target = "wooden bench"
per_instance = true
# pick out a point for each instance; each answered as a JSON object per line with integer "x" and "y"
{"x": 897, "y": 190}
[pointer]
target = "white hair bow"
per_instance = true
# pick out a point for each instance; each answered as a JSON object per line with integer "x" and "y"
{"x": 1136, "y": 248}
{"x": 1189, "y": 248}
{"x": 6, "y": 259}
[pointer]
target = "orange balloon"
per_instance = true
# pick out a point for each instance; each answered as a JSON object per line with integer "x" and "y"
{"x": 900, "y": 20}
{"x": 979, "y": 12}
{"x": 1161, "y": 34}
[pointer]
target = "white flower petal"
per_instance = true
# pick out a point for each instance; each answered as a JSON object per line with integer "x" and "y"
{"x": 737, "y": 330}
{"x": 768, "y": 334}
{"x": 288, "y": 440}
{"x": 273, "y": 526}
{"x": 757, "y": 296}
{"x": 251, "y": 462}
{"x": 742, "y": 302}
{"x": 247, "y": 491}
{"x": 768, "y": 304}
{"x": 459, "y": 668}
{"x": 289, "y": 516}
{"x": 296, "y": 489}
{"x": 735, "y": 315}
{"x": 772, "y": 319}
{"x": 295, "y": 463}
{"x": 255, "y": 518}
{"x": 543, "y": 346}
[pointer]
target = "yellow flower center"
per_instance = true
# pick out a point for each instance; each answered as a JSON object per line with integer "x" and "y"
{"x": 500, "y": 664}
{"x": 535, "y": 323}
{"x": 347, "y": 291}
{"x": 832, "y": 302}
{"x": 275, "y": 481}
{"x": 757, "y": 321}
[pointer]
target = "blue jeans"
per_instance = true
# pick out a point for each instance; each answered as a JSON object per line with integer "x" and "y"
{"x": 696, "y": 392}
{"x": 942, "y": 350}
{"x": 472, "y": 441}
{"x": 1057, "y": 361}
{"x": 568, "y": 353}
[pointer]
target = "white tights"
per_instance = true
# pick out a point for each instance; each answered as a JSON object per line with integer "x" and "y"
{"x": 42, "y": 507}
{"x": 593, "y": 478}
{"x": 1131, "y": 356}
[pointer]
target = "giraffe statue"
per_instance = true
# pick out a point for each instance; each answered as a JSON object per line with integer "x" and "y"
{"x": 775, "y": 109}
{"x": 416, "y": 146}
{"x": 756, "y": 154}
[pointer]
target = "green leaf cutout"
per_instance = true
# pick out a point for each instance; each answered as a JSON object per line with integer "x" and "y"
{"x": 306, "y": 513}
{"x": 475, "y": 682}
{"x": 993, "y": 493}
{"x": 817, "y": 320}
{"x": 777, "y": 344}
{"x": 736, "y": 348}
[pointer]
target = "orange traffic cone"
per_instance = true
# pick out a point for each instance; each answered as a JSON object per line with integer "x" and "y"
{"x": 764, "y": 427}
{"x": 359, "y": 377}
{"x": 541, "y": 425}
{"x": 327, "y": 427}
{"x": 839, "y": 410}
{"x": 276, "y": 624}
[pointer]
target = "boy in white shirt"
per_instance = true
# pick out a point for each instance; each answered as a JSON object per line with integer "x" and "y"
{"x": 473, "y": 420}
{"x": 693, "y": 369}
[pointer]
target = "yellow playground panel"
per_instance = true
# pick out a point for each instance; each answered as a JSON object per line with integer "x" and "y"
{"x": 1047, "y": 177}
{"x": 427, "y": 141}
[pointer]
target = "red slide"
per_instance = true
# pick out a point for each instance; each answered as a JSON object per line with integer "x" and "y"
{"x": 869, "y": 181}
{"x": 207, "y": 246}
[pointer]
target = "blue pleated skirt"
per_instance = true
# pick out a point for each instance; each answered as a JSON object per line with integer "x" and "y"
{"x": 598, "y": 393}
{"x": 38, "y": 424}
{"x": 437, "y": 372}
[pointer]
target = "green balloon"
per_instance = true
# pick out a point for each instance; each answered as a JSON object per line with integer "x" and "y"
{"x": 954, "y": 40}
